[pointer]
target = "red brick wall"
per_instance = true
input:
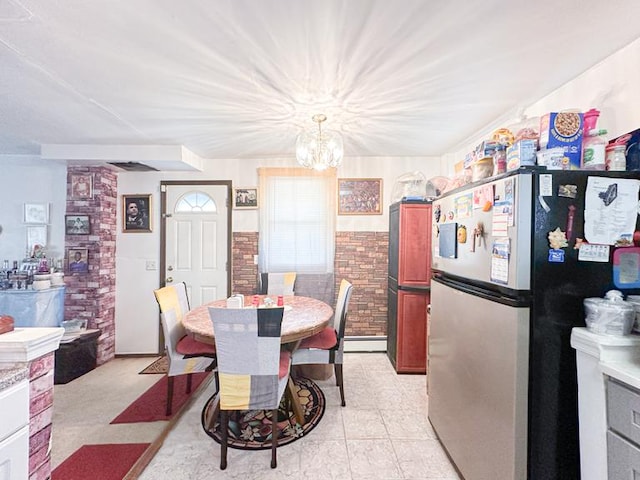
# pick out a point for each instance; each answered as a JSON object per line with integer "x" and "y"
{"x": 40, "y": 416}
{"x": 91, "y": 295}
{"x": 361, "y": 258}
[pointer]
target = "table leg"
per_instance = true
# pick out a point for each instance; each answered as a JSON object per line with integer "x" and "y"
{"x": 295, "y": 403}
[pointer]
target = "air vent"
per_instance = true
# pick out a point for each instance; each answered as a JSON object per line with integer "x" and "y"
{"x": 133, "y": 166}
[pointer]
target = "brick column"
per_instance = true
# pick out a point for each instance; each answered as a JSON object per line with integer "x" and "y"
{"x": 244, "y": 274}
{"x": 40, "y": 416}
{"x": 91, "y": 295}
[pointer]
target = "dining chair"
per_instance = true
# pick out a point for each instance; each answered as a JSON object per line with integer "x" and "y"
{"x": 252, "y": 368}
{"x": 278, "y": 283}
{"x": 327, "y": 346}
{"x": 185, "y": 355}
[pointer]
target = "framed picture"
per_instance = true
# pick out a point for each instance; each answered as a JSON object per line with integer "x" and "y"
{"x": 82, "y": 186}
{"x": 78, "y": 259}
{"x": 359, "y": 196}
{"x": 136, "y": 213}
{"x": 36, "y": 237}
{"x": 245, "y": 198}
{"x": 36, "y": 213}
{"x": 77, "y": 225}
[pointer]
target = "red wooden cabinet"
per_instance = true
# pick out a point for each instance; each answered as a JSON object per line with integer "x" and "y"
{"x": 409, "y": 280}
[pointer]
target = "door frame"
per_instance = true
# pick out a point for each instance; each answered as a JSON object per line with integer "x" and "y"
{"x": 163, "y": 229}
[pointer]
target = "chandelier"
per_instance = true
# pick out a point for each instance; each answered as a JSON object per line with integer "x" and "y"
{"x": 319, "y": 150}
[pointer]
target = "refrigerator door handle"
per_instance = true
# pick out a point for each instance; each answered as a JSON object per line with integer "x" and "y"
{"x": 519, "y": 299}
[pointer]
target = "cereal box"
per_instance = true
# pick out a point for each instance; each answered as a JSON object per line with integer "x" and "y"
{"x": 523, "y": 152}
{"x": 563, "y": 129}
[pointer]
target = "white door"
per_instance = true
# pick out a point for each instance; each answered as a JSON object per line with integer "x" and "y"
{"x": 196, "y": 252}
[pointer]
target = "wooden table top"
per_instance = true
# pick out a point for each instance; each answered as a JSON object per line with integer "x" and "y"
{"x": 307, "y": 316}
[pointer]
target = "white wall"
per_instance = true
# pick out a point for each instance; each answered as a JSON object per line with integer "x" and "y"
{"x": 137, "y": 326}
{"x": 610, "y": 86}
{"x": 27, "y": 179}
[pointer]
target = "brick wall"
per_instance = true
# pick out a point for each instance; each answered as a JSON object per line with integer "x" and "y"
{"x": 40, "y": 416}
{"x": 91, "y": 295}
{"x": 361, "y": 258}
{"x": 244, "y": 276}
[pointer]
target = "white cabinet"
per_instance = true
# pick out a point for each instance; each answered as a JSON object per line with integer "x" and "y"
{"x": 14, "y": 431}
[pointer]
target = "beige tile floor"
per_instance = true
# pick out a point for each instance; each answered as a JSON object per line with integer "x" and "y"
{"x": 383, "y": 432}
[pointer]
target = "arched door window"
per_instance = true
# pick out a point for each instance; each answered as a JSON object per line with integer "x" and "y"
{"x": 196, "y": 202}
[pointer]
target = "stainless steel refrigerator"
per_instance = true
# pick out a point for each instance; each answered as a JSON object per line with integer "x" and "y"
{"x": 507, "y": 288}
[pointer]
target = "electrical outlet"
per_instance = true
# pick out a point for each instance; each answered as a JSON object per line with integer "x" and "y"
{"x": 255, "y": 259}
{"x": 151, "y": 265}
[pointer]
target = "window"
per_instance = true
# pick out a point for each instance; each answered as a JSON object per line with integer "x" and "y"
{"x": 297, "y": 220}
{"x": 195, "y": 202}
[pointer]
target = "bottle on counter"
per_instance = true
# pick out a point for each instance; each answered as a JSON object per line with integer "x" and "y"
{"x": 593, "y": 150}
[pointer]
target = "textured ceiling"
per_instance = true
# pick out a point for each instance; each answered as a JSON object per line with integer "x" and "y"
{"x": 241, "y": 78}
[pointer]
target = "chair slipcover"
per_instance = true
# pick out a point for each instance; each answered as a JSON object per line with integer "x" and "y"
{"x": 278, "y": 283}
{"x": 327, "y": 346}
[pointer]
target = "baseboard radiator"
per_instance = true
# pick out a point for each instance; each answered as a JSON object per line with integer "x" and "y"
{"x": 368, "y": 343}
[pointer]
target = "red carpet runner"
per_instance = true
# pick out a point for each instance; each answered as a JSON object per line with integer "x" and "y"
{"x": 100, "y": 462}
{"x": 150, "y": 406}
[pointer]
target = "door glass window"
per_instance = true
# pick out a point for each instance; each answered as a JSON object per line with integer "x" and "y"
{"x": 195, "y": 202}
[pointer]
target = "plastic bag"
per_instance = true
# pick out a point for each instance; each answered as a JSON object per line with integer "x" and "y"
{"x": 610, "y": 315}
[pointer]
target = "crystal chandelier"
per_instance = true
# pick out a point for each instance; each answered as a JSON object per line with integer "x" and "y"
{"x": 319, "y": 150}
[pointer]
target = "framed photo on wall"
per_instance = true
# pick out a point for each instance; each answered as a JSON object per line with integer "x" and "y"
{"x": 36, "y": 237}
{"x": 77, "y": 224}
{"x": 359, "y": 196}
{"x": 36, "y": 213}
{"x": 136, "y": 213}
{"x": 81, "y": 186}
{"x": 78, "y": 259}
{"x": 245, "y": 198}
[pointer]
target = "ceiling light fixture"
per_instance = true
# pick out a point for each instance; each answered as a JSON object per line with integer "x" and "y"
{"x": 319, "y": 150}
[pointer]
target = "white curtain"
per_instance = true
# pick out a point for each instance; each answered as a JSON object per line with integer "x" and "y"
{"x": 297, "y": 220}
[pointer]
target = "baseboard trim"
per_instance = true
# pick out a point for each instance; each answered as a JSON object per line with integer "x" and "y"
{"x": 365, "y": 344}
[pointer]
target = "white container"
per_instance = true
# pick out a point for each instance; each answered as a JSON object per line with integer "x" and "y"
{"x": 635, "y": 301}
{"x": 610, "y": 315}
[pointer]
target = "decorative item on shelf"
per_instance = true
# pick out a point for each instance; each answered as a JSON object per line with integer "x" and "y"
{"x": 319, "y": 150}
{"x": 6, "y": 323}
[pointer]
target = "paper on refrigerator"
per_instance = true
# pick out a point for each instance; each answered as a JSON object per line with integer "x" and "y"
{"x": 611, "y": 210}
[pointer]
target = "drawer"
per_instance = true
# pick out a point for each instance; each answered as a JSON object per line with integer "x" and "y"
{"x": 623, "y": 458}
{"x": 14, "y": 408}
{"x": 623, "y": 410}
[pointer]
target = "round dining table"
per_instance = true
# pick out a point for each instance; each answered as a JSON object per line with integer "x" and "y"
{"x": 302, "y": 318}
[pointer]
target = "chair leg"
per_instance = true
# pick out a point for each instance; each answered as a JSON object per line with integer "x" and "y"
{"x": 169, "y": 395}
{"x": 189, "y": 375}
{"x": 338, "y": 369}
{"x": 224, "y": 431}
{"x": 274, "y": 437}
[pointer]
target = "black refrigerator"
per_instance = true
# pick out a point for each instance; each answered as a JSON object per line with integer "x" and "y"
{"x": 513, "y": 259}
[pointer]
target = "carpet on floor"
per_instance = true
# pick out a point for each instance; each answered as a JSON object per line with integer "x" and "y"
{"x": 159, "y": 365}
{"x": 110, "y": 461}
{"x": 251, "y": 430}
{"x": 151, "y": 405}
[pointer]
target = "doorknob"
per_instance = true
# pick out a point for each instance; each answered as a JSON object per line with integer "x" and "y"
{"x": 170, "y": 268}
{"x": 169, "y": 280}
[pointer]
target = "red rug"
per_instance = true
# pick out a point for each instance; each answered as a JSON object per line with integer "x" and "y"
{"x": 100, "y": 462}
{"x": 151, "y": 405}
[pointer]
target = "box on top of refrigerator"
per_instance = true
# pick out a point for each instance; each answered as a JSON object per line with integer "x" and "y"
{"x": 563, "y": 129}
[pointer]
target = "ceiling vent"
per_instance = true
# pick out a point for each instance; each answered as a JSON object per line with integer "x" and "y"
{"x": 133, "y": 166}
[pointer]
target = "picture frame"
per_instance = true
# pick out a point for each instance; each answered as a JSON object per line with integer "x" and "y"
{"x": 78, "y": 260}
{"x": 36, "y": 236}
{"x": 136, "y": 213}
{"x": 359, "y": 196}
{"x": 36, "y": 213}
{"x": 76, "y": 224}
{"x": 81, "y": 186}
{"x": 245, "y": 198}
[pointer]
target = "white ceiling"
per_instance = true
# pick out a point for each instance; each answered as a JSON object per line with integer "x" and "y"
{"x": 241, "y": 78}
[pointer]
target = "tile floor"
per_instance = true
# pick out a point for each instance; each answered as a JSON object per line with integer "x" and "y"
{"x": 383, "y": 432}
